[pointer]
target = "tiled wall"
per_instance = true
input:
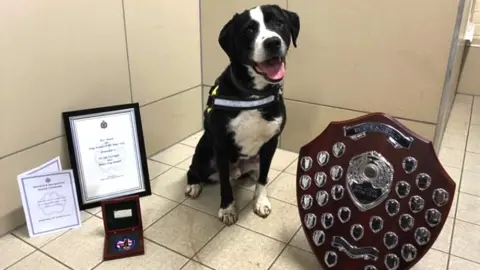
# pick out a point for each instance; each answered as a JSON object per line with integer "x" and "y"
{"x": 340, "y": 70}
{"x": 66, "y": 55}
{"x": 476, "y": 20}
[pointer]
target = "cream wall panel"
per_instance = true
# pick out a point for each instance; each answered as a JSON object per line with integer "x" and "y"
{"x": 205, "y": 90}
{"x": 164, "y": 47}
{"x": 470, "y": 76}
{"x": 11, "y": 212}
{"x": 169, "y": 120}
{"x": 215, "y": 14}
{"x": 57, "y": 56}
{"x": 372, "y": 55}
{"x": 306, "y": 121}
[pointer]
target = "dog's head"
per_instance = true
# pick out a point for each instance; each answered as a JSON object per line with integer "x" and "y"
{"x": 259, "y": 38}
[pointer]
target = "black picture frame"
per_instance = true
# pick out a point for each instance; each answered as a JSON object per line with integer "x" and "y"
{"x": 141, "y": 157}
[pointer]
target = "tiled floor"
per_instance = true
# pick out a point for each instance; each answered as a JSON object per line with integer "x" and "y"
{"x": 186, "y": 234}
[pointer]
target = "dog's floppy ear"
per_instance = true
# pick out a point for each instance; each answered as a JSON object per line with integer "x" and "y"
{"x": 225, "y": 39}
{"x": 293, "y": 24}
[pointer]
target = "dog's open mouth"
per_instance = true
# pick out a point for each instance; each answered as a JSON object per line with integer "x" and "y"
{"x": 272, "y": 69}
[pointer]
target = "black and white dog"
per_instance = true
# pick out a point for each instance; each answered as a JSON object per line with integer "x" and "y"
{"x": 245, "y": 112}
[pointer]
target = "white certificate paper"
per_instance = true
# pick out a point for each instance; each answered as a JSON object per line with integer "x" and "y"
{"x": 49, "y": 202}
{"x": 108, "y": 158}
{"x": 53, "y": 165}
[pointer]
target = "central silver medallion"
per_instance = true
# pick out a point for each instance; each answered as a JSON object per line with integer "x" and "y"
{"x": 369, "y": 179}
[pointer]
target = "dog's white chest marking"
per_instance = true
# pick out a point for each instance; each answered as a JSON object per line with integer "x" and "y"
{"x": 251, "y": 131}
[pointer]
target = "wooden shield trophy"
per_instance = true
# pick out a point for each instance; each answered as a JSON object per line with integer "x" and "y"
{"x": 372, "y": 194}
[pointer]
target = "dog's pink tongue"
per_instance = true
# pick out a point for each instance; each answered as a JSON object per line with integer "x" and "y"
{"x": 274, "y": 71}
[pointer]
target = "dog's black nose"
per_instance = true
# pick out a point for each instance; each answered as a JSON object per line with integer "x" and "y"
{"x": 272, "y": 43}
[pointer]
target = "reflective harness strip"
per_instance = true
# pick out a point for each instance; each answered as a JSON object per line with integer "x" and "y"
{"x": 221, "y": 102}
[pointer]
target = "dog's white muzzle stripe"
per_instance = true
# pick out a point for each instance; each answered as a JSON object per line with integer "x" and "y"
{"x": 244, "y": 103}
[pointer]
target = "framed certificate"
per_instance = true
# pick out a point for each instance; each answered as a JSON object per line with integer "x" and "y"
{"x": 107, "y": 153}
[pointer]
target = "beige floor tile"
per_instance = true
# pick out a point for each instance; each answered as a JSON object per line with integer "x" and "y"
{"x": 248, "y": 183}
{"x": 292, "y": 169}
{"x": 433, "y": 260}
{"x": 472, "y": 162}
{"x": 184, "y": 230}
{"x": 462, "y": 98}
{"x": 174, "y": 154}
{"x": 238, "y": 248}
{"x": 209, "y": 199}
{"x": 155, "y": 257}
{"x": 40, "y": 241}
{"x": 455, "y": 141}
{"x": 38, "y": 261}
{"x": 284, "y": 188}
{"x": 476, "y": 111}
{"x": 460, "y": 112}
{"x": 79, "y": 249}
{"x": 300, "y": 241}
{"x": 462, "y": 264}
{"x": 193, "y": 140}
{"x": 95, "y": 210}
{"x": 171, "y": 184}
{"x": 282, "y": 159}
{"x": 451, "y": 157}
{"x": 156, "y": 168}
{"x": 466, "y": 240}
{"x": 473, "y": 144}
{"x": 444, "y": 239}
{"x": 13, "y": 249}
{"x": 193, "y": 265}
{"x": 457, "y": 127}
{"x": 470, "y": 182}
{"x": 455, "y": 174}
{"x": 185, "y": 165}
{"x": 294, "y": 258}
{"x": 281, "y": 224}
{"x": 467, "y": 209}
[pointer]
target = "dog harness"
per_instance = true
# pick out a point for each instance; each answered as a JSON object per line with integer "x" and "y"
{"x": 268, "y": 97}
{"x": 234, "y": 103}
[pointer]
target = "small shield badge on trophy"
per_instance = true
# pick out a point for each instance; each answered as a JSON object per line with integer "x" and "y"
{"x": 372, "y": 194}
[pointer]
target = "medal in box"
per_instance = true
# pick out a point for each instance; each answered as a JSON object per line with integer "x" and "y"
{"x": 122, "y": 220}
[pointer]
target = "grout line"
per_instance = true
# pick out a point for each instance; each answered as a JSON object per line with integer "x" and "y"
{"x": 63, "y": 135}
{"x": 192, "y": 260}
{"x": 169, "y": 96}
{"x": 468, "y": 222}
{"x": 459, "y": 187}
{"x": 21, "y": 259}
{"x": 170, "y": 145}
{"x": 471, "y": 194}
{"x": 31, "y": 146}
{"x": 469, "y": 260}
{"x": 126, "y": 49}
{"x": 172, "y": 250}
{"x": 354, "y": 110}
{"x": 359, "y": 111}
{"x": 55, "y": 259}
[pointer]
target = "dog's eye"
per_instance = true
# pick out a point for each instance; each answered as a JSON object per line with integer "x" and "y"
{"x": 278, "y": 23}
{"x": 249, "y": 30}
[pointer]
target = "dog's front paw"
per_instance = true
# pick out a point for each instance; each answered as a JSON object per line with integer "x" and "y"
{"x": 228, "y": 215}
{"x": 262, "y": 207}
{"x": 193, "y": 191}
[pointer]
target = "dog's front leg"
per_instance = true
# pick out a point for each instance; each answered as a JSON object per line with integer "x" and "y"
{"x": 262, "y": 206}
{"x": 228, "y": 210}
